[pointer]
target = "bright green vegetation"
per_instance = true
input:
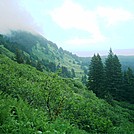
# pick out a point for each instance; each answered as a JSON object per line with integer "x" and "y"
{"x": 6, "y": 52}
{"x": 41, "y": 91}
{"x": 42, "y": 102}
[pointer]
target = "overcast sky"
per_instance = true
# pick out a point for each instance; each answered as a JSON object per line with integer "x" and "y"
{"x": 83, "y": 27}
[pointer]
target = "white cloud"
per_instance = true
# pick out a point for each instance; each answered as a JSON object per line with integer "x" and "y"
{"x": 72, "y": 15}
{"x": 86, "y": 41}
{"x": 114, "y": 16}
{"x": 14, "y": 17}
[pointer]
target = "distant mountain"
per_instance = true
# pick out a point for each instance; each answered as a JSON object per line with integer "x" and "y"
{"x": 126, "y": 61}
{"x": 38, "y": 48}
{"x": 34, "y": 48}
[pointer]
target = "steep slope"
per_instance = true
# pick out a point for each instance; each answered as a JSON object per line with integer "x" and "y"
{"x": 40, "y": 48}
{"x": 34, "y": 101}
{"x": 6, "y": 52}
{"x": 36, "y": 48}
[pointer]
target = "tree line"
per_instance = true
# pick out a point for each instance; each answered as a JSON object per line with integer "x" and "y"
{"x": 108, "y": 81}
{"x": 27, "y": 57}
{"x": 43, "y": 64}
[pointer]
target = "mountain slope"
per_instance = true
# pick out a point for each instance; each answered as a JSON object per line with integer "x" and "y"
{"x": 36, "y": 48}
{"x": 34, "y": 101}
{"x": 64, "y": 104}
{"x": 40, "y": 48}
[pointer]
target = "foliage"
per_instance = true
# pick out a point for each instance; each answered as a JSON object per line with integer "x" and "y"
{"x": 36, "y": 47}
{"x": 96, "y": 76}
{"x": 6, "y": 52}
{"x": 113, "y": 74}
{"x": 16, "y": 116}
{"x": 109, "y": 82}
{"x": 128, "y": 86}
{"x": 42, "y": 102}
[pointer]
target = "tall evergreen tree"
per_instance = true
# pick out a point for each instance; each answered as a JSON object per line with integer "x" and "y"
{"x": 113, "y": 74}
{"x": 96, "y": 76}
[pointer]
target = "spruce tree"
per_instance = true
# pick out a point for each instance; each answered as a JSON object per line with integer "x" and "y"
{"x": 96, "y": 76}
{"x": 113, "y": 75}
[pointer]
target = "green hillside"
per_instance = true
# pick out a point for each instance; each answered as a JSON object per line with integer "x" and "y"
{"x": 37, "y": 102}
{"x": 6, "y": 52}
{"x": 39, "y": 48}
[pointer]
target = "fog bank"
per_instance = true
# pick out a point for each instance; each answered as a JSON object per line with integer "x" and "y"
{"x": 14, "y": 17}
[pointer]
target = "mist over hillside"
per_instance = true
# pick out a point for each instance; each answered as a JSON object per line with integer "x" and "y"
{"x": 36, "y": 45}
{"x": 14, "y": 17}
{"x": 22, "y": 16}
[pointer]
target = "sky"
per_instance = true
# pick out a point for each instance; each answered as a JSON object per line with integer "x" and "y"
{"x": 83, "y": 27}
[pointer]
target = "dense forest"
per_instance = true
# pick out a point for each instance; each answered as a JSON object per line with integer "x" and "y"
{"x": 108, "y": 81}
{"x": 45, "y": 96}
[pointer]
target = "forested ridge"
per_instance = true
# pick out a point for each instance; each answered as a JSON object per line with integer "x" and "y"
{"x": 37, "y": 51}
{"x": 34, "y": 99}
